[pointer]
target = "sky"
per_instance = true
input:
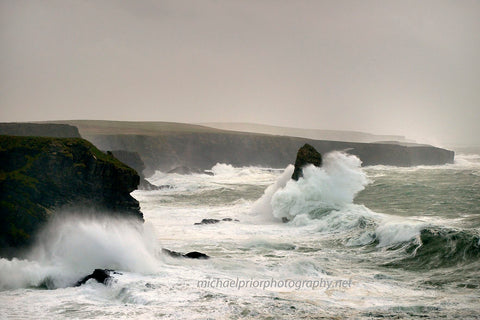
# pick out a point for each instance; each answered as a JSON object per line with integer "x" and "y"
{"x": 388, "y": 67}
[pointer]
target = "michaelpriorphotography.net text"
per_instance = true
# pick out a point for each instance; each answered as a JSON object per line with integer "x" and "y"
{"x": 293, "y": 284}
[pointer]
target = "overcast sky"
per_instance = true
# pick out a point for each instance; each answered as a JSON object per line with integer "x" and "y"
{"x": 387, "y": 67}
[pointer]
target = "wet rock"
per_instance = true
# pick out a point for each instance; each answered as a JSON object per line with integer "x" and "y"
{"x": 213, "y": 221}
{"x": 207, "y": 221}
{"x": 190, "y": 255}
{"x": 306, "y": 155}
{"x": 99, "y": 275}
{"x": 196, "y": 255}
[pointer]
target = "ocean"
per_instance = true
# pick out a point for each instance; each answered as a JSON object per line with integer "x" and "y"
{"x": 374, "y": 242}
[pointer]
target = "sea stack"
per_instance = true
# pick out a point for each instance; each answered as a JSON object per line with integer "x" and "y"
{"x": 306, "y": 155}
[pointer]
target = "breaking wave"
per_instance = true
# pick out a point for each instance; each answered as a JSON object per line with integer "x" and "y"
{"x": 324, "y": 197}
{"x": 331, "y": 187}
{"x": 71, "y": 247}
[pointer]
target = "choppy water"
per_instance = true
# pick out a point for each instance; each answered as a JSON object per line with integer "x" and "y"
{"x": 405, "y": 243}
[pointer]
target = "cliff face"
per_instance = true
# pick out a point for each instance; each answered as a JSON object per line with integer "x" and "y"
{"x": 39, "y": 130}
{"x": 133, "y": 160}
{"x": 203, "y": 150}
{"x": 38, "y": 175}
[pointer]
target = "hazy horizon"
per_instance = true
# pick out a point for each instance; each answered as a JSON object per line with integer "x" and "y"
{"x": 390, "y": 68}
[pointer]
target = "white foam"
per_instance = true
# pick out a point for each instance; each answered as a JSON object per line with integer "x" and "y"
{"x": 72, "y": 247}
{"x": 329, "y": 187}
{"x": 396, "y": 231}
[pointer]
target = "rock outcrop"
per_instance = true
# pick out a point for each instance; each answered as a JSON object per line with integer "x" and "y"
{"x": 133, "y": 160}
{"x": 100, "y": 275}
{"x": 213, "y": 221}
{"x": 306, "y": 155}
{"x": 39, "y": 175}
{"x": 190, "y": 255}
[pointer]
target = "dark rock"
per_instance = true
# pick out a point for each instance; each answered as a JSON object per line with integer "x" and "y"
{"x": 133, "y": 160}
{"x": 39, "y": 175}
{"x": 145, "y": 185}
{"x": 190, "y": 255}
{"x": 99, "y": 275}
{"x": 207, "y": 221}
{"x": 306, "y": 155}
{"x": 285, "y": 219}
{"x": 171, "y": 253}
{"x": 196, "y": 255}
{"x": 213, "y": 221}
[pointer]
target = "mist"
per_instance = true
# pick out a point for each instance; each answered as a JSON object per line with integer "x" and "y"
{"x": 386, "y": 67}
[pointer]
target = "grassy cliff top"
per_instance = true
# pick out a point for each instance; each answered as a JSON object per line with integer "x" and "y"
{"x": 57, "y": 130}
{"x": 36, "y": 145}
{"x": 148, "y": 128}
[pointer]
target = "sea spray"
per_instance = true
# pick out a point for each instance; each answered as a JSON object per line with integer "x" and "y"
{"x": 72, "y": 246}
{"x": 326, "y": 188}
{"x": 264, "y": 204}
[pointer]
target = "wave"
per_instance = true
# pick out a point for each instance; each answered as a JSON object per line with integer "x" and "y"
{"x": 323, "y": 198}
{"x": 439, "y": 247}
{"x": 219, "y": 176}
{"x": 72, "y": 246}
{"x": 330, "y": 187}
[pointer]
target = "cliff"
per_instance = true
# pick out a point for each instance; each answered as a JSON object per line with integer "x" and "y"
{"x": 133, "y": 160}
{"x": 313, "y": 134}
{"x": 166, "y": 145}
{"x": 203, "y": 150}
{"x": 39, "y": 175}
{"x": 39, "y": 130}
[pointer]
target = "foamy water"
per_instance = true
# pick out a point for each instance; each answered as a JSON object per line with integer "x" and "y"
{"x": 347, "y": 223}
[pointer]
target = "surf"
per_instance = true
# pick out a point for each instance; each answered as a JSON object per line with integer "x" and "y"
{"x": 73, "y": 245}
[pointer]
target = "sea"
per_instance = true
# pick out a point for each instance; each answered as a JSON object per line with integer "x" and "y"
{"x": 342, "y": 242}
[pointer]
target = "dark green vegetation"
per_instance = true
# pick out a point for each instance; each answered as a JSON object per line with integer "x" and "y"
{"x": 40, "y": 174}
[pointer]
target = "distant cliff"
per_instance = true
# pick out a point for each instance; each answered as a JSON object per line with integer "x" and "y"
{"x": 39, "y": 130}
{"x": 39, "y": 174}
{"x": 167, "y": 145}
{"x": 203, "y": 150}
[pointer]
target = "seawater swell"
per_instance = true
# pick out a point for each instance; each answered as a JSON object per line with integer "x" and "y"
{"x": 437, "y": 247}
{"x": 324, "y": 198}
